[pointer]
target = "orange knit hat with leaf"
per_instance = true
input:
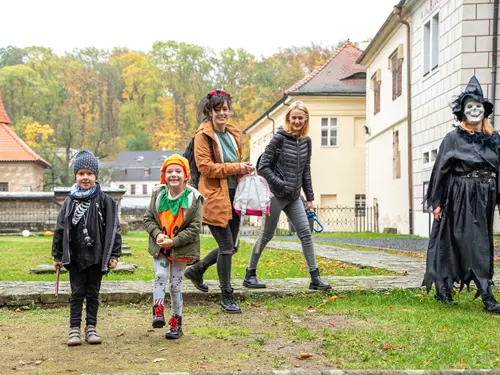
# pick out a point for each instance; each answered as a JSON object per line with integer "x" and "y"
{"x": 175, "y": 159}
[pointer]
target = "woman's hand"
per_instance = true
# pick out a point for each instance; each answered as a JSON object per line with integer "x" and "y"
{"x": 112, "y": 264}
{"x": 246, "y": 168}
{"x": 437, "y": 213}
{"x": 309, "y": 205}
{"x": 57, "y": 265}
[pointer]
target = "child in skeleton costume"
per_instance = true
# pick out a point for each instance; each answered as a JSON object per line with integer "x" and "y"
{"x": 173, "y": 221}
{"x": 463, "y": 192}
{"x": 87, "y": 241}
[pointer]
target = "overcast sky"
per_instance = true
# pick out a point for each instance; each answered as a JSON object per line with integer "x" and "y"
{"x": 259, "y": 26}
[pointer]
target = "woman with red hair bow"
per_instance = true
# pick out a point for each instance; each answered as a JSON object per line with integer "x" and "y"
{"x": 217, "y": 150}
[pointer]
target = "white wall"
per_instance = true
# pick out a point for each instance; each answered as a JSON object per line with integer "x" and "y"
{"x": 465, "y": 28}
{"x": 138, "y": 187}
{"x": 390, "y": 193}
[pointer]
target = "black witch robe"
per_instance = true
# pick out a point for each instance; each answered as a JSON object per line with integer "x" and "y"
{"x": 464, "y": 184}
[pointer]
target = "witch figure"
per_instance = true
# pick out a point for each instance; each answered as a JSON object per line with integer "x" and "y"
{"x": 463, "y": 192}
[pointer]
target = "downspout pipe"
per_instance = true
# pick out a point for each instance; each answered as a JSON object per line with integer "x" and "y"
{"x": 269, "y": 118}
{"x": 398, "y": 12}
{"x": 495, "y": 52}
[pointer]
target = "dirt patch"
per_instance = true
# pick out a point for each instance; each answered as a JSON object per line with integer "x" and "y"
{"x": 34, "y": 342}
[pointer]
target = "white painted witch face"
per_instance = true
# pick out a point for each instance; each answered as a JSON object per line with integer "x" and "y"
{"x": 473, "y": 111}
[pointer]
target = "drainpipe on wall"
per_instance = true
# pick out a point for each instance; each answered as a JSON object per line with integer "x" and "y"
{"x": 271, "y": 120}
{"x": 398, "y": 12}
{"x": 495, "y": 52}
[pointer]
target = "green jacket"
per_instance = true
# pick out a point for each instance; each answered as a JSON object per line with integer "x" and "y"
{"x": 187, "y": 240}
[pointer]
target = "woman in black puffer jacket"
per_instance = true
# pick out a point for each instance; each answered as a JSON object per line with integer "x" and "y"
{"x": 286, "y": 165}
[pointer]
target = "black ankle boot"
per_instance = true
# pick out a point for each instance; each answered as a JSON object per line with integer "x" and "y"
{"x": 228, "y": 303}
{"x": 316, "y": 282}
{"x": 443, "y": 294}
{"x": 251, "y": 280}
{"x": 158, "y": 317}
{"x": 490, "y": 303}
{"x": 175, "y": 330}
{"x": 194, "y": 274}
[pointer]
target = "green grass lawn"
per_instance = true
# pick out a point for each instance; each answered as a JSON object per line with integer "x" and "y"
{"x": 19, "y": 254}
{"x": 398, "y": 330}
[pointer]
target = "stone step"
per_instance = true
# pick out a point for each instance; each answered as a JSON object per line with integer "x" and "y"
{"x": 46, "y": 269}
{"x": 122, "y": 267}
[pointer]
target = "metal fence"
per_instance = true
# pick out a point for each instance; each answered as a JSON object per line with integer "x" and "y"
{"x": 42, "y": 214}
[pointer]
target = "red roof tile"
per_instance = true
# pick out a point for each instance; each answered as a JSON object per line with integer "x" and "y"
{"x": 12, "y": 148}
{"x": 336, "y": 75}
{"x": 4, "y": 118}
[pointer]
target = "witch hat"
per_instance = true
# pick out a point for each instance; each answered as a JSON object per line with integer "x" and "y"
{"x": 474, "y": 91}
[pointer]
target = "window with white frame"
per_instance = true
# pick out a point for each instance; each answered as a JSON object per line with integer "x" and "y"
{"x": 329, "y": 131}
{"x": 431, "y": 44}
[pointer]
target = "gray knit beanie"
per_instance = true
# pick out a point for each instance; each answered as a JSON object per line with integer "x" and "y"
{"x": 86, "y": 159}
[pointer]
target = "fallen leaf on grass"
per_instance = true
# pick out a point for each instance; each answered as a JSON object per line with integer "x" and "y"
{"x": 387, "y": 293}
{"x": 162, "y": 349}
{"x": 387, "y": 347}
{"x": 158, "y": 360}
{"x": 17, "y": 310}
{"x": 296, "y": 365}
{"x": 421, "y": 296}
{"x": 390, "y": 307}
{"x": 120, "y": 334}
{"x": 38, "y": 363}
{"x": 332, "y": 325}
{"x": 333, "y": 298}
{"x": 304, "y": 356}
{"x": 428, "y": 362}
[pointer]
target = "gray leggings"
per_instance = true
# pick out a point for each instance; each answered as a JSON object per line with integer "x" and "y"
{"x": 297, "y": 215}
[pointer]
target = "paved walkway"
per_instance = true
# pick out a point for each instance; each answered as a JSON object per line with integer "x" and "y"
{"x": 16, "y": 293}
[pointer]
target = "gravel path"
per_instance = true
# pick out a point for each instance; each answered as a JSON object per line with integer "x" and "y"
{"x": 404, "y": 244}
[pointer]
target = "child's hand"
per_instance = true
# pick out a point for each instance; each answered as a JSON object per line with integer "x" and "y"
{"x": 112, "y": 264}
{"x": 160, "y": 238}
{"x": 57, "y": 265}
{"x": 167, "y": 242}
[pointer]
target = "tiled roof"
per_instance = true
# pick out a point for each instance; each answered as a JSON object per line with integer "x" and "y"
{"x": 12, "y": 148}
{"x": 4, "y": 118}
{"x": 338, "y": 75}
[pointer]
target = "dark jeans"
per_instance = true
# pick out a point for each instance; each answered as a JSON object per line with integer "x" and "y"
{"x": 84, "y": 284}
{"x": 225, "y": 238}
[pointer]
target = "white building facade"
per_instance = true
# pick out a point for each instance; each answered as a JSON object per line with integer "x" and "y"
{"x": 451, "y": 40}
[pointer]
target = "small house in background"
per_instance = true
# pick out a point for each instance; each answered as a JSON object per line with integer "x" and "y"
{"x": 21, "y": 168}
{"x": 138, "y": 172}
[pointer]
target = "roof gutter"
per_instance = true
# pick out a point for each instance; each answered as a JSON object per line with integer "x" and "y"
{"x": 495, "y": 54}
{"x": 266, "y": 114}
{"x": 398, "y": 12}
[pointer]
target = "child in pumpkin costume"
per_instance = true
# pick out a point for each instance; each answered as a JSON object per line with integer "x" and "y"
{"x": 173, "y": 221}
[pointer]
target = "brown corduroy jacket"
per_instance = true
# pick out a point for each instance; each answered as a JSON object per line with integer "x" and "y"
{"x": 213, "y": 176}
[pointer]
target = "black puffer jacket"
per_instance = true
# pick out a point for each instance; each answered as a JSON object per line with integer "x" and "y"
{"x": 286, "y": 165}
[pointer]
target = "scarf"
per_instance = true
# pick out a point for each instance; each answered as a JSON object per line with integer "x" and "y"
{"x": 166, "y": 203}
{"x": 170, "y": 212}
{"x": 76, "y": 193}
